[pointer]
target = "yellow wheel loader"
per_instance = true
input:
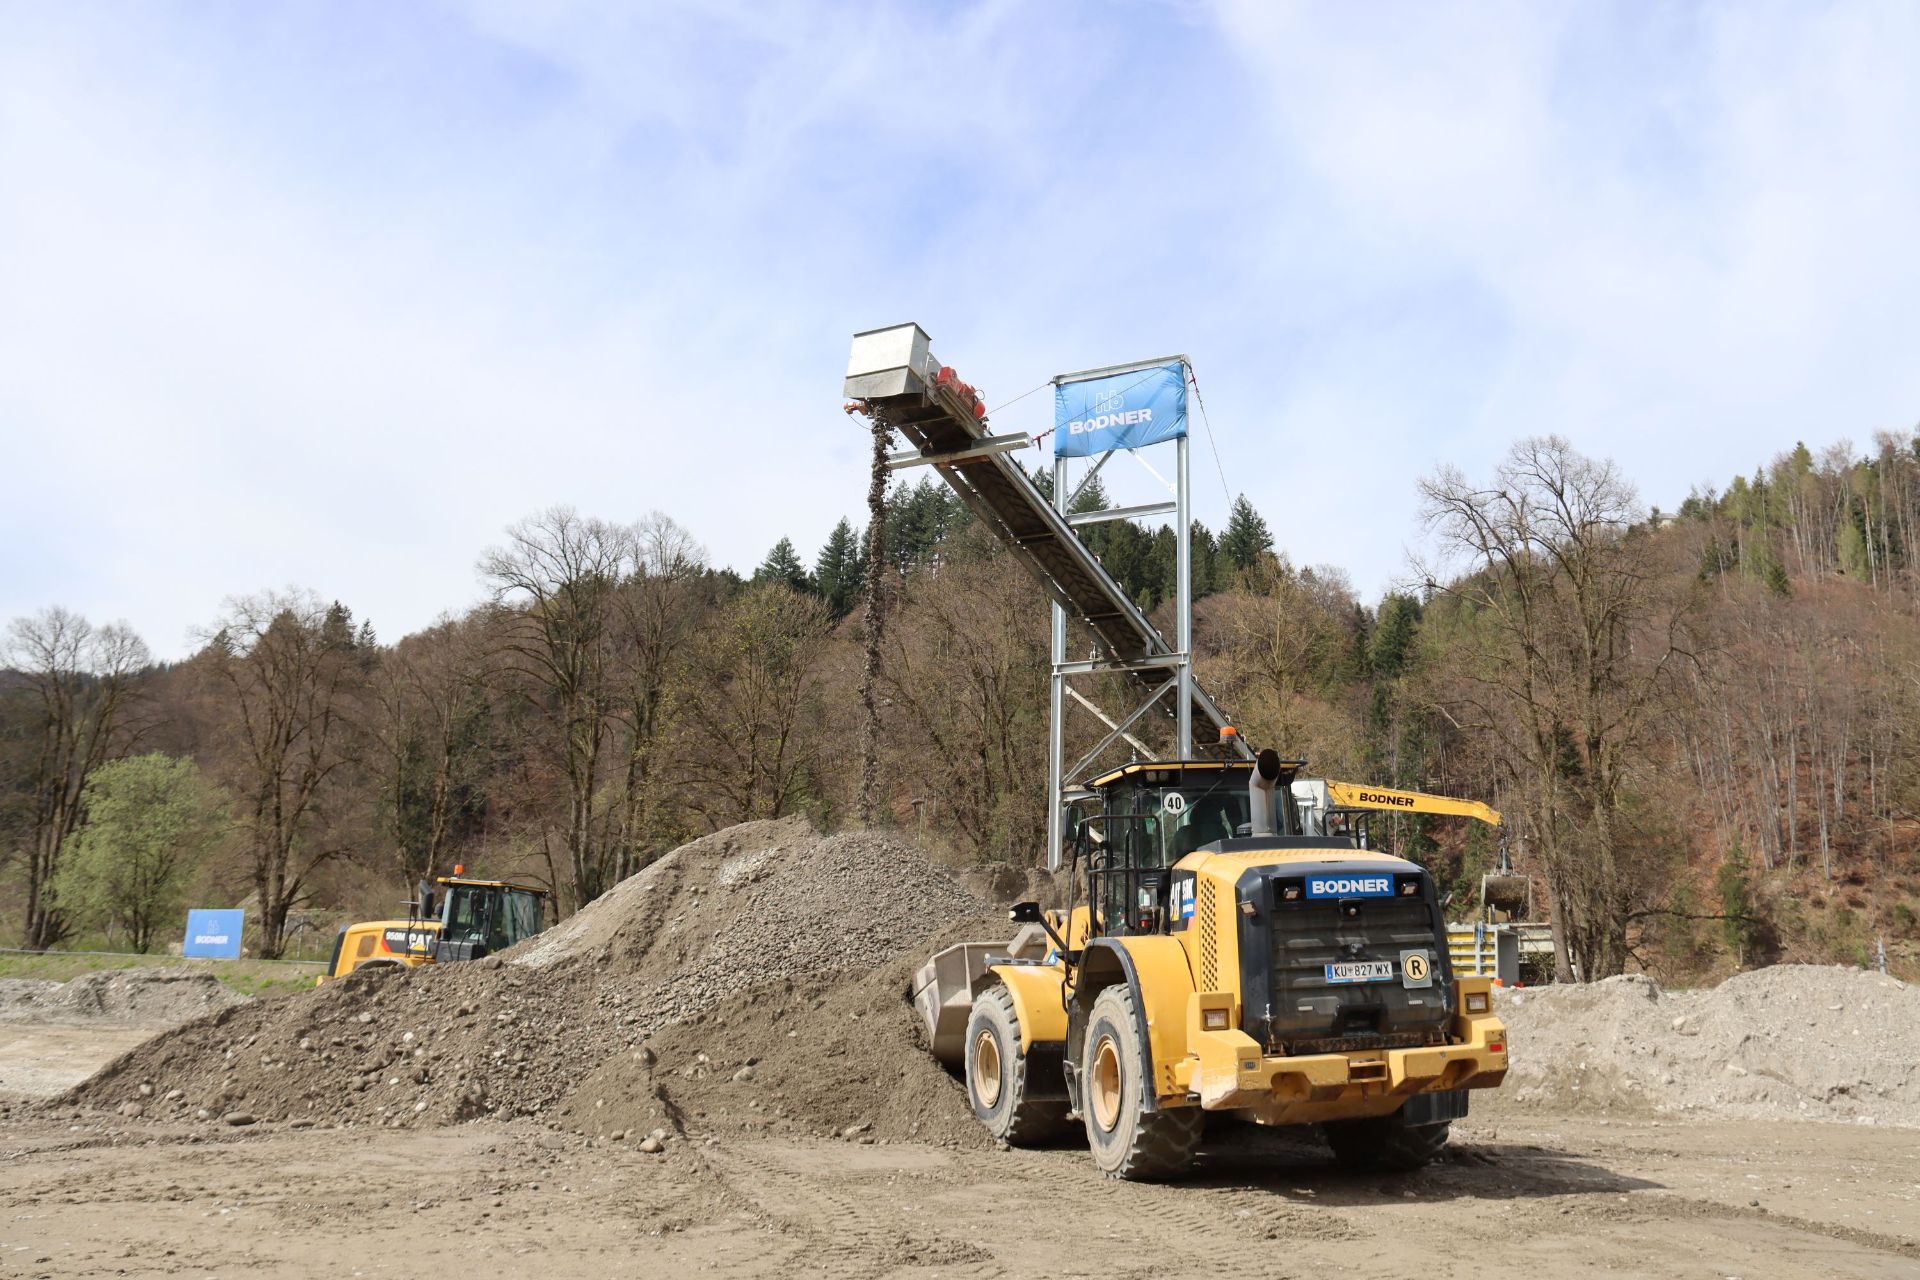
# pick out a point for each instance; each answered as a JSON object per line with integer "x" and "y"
{"x": 1215, "y": 957}
{"x": 470, "y": 919}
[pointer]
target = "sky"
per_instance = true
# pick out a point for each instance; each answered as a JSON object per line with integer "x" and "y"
{"x": 329, "y": 294}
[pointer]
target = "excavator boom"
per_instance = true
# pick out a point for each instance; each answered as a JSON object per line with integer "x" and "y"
{"x": 1354, "y": 795}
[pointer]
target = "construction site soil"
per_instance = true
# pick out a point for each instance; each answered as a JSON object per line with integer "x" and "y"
{"x": 752, "y": 979}
{"x": 714, "y": 1067}
{"x": 1793, "y": 1042}
{"x": 156, "y": 997}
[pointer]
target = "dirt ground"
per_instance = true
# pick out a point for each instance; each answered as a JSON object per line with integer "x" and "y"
{"x": 41, "y": 1059}
{"x": 1523, "y": 1191}
{"x": 701, "y": 1074}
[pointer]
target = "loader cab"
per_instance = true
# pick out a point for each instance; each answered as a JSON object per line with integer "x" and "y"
{"x": 480, "y": 917}
{"x": 1141, "y": 819}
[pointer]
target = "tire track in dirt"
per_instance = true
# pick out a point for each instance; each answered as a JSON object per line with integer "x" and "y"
{"x": 1680, "y": 1207}
{"x": 1191, "y": 1218}
{"x": 858, "y": 1233}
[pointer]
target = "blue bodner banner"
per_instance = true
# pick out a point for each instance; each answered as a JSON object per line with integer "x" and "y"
{"x": 1121, "y": 411}
{"x": 213, "y": 934}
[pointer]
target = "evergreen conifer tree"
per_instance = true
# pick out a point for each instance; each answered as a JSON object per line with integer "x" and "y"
{"x": 336, "y": 628}
{"x": 840, "y": 569}
{"x": 1246, "y": 536}
{"x": 1092, "y": 497}
{"x": 1392, "y": 640}
{"x": 783, "y": 565}
{"x": 1206, "y": 561}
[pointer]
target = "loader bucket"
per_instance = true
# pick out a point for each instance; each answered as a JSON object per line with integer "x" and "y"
{"x": 943, "y": 993}
{"x": 1511, "y": 894}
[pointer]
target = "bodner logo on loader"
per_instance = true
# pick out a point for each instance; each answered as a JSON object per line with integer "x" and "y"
{"x": 1349, "y": 887}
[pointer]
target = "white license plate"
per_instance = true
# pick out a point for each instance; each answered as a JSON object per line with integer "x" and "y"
{"x": 1361, "y": 971}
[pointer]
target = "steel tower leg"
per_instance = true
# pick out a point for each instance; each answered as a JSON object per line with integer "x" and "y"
{"x": 1057, "y": 704}
{"x": 1183, "y": 595}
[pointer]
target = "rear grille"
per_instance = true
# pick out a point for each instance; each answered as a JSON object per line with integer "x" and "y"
{"x": 1354, "y": 1044}
{"x": 1311, "y": 1015}
{"x": 1208, "y": 924}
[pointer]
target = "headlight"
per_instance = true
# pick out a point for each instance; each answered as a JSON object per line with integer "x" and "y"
{"x": 1214, "y": 1019}
{"x": 1476, "y": 1002}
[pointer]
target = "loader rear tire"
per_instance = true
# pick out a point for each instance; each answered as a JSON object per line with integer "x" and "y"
{"x": 997, "y": 1076}
{"x": 1385, "y": 1142}
{"x": 1127, "y": 1139}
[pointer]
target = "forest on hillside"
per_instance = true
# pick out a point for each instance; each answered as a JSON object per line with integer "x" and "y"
{"x": 1700, "y": 723}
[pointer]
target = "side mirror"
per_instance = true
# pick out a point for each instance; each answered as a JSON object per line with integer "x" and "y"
{"x": 1025, "y": 913}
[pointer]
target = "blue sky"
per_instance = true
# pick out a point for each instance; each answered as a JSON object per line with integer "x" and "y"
{"x": 328, "y": 294}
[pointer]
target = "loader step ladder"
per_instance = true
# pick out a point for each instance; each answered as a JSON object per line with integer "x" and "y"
{"x": 893, "y": 375}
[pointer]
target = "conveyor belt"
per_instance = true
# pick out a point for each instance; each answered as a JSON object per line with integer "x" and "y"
{"x": 938, "y": 420}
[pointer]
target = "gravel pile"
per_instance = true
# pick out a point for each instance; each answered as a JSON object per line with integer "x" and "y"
{"x": 153, "y": 997}
{"x": 769, "y": 922}
{"x": 1793, "y": 1041}
{"x": 841, "y": 1056}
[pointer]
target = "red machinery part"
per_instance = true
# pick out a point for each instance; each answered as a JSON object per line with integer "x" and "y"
{"x": 947, "y": 378}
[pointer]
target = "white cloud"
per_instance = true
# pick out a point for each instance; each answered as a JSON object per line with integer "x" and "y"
{"x": 326, "y": 299}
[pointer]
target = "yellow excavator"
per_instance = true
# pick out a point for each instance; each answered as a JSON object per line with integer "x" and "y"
{"x": 1327, "y": 805}
{"x": 1335, "y": 808}
{"x": 466, "y": 920}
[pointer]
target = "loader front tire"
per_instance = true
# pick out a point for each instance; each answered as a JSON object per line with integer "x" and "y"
{"x": 997, "y": 1077}
{"x": 1127, "y": 1139}
{"x": 1385, "y": 1142}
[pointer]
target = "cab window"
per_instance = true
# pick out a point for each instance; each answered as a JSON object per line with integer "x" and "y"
{"x": 523, "y": 915}
{"x": 468, "y": 917}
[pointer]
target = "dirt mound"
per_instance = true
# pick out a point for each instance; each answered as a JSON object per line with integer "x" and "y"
{"x": 153, "y": 997}
{"x": 762, "y": 918}
{"x": 835, "y": 1056}
{"x": 1792, "y": 1041}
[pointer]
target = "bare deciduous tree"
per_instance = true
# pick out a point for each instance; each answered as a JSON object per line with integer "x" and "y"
{"x": 657, "y": 612}
{"x": 287, "y": 676}
{"x": 79, "y": 682}
{"x": 427, "y": 696}
{"x": 558, "y": 581}
{"x": 966, "y": 672}
{"x": 1567, "y": 644}
{"x": 751, "y": 752}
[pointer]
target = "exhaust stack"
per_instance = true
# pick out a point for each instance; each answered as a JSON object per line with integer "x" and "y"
{"x": 1260, "y": 787}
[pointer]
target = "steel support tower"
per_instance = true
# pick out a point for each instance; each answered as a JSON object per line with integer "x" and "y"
{"x": 893, "y": 374}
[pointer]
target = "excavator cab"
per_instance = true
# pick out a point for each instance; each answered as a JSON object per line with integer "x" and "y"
{"x": 483, "y": 916}
{"x": 468, "y": 919}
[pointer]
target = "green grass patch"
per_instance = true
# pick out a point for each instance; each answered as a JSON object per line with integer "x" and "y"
{"x": 249, "y": 977}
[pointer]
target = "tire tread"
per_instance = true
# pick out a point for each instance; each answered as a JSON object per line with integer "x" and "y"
{"x": 1385, "y": 1142}
{"x": 1029, "y": 1121}
{"x": 1161, "y": 1143}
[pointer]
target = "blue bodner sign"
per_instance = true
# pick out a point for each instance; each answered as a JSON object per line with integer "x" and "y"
{"x": 1350, "y": 885}
{"x": 213, "y": 934}
{"x": 1120, "y": 411}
